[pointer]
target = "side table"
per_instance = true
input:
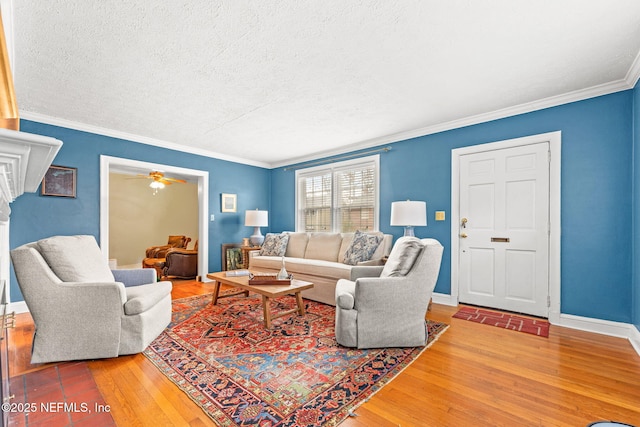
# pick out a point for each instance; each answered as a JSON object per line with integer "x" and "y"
{"x": 246, "y": 250}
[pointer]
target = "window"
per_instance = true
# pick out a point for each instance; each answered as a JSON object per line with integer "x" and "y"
{"x": 341, "y": 197}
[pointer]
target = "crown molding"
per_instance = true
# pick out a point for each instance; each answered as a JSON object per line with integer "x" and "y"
{"x": 634, "y": 72}
{"x": 554, "y": 101}
{"x": 55, "y": 121}
{"x": 605, "y": 89}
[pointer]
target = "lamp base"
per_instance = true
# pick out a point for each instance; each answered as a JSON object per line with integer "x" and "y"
{"x": 256, "y": 238}
{"x": 408, "y": 231}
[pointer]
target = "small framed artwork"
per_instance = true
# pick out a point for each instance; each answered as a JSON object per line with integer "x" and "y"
{"x": 229, "y": 202}
{"x": 231, "y": 256}
{"x": 59, "y": 181}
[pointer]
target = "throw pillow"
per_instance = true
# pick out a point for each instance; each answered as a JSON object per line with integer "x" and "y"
{"x": 402, "y": 257}
{"x": 362, "y": 247}
{"x": 76, "y": 259}
{"x": 274, "y": 244}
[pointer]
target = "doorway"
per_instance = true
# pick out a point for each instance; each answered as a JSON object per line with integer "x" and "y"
{"x": 520, "y": 270}
{"x": 109, "y": 164}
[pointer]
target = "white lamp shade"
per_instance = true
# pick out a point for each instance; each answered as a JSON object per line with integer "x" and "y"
{"x": 256, "y": 218}
{"x": 409, "y": 213}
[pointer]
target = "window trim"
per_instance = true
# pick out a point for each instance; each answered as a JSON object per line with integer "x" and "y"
{"x": 340, "y": 166}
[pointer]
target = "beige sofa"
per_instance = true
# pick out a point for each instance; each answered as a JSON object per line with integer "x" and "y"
{"x": 318, "y": 258}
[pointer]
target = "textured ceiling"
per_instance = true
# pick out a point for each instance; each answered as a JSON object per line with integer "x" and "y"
{"x": 270, "y": 82}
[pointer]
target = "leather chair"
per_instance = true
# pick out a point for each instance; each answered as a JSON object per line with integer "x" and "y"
{"x": 386, "y": 306}
{"x": 81, "y": 308}
{"x": 155, "y": 255}
{"x": 173, "y": 242}
{"x": 181, "y": 263}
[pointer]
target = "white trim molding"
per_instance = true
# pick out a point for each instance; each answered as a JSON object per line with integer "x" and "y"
{"x": 634, "y": 337}
{"x": 69, "y": 124}
{"x": 579, "y": 95}
{"x": 541, "y": 104}
{"x": 634, "y": 72}
{"x": 444, "y": 299}
{"x": 18, "y": 307}
{"x": 108, "y": 162}
{"x": 604, "y": 327}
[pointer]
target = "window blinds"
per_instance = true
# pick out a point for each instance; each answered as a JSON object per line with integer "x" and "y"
{"x": 341, "y": 198}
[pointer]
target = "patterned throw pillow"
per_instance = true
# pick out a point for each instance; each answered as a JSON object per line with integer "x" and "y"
{"x": 362, "y": 247}
{"x": 274, "y": 244}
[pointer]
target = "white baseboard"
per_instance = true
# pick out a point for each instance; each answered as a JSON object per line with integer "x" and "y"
{"x": 444, "y": 299}
{"x": 588, "y": 324}
{"x": 634, "y": 337}
{"x": 18, "y": 307}
{"x": 604, "y": 327}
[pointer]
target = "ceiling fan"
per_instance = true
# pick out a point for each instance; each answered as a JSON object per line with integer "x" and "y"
{"x": 159, "y": 180}
{"x": 158, "y": 176}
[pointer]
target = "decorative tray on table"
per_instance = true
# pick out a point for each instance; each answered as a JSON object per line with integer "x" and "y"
{"x": 268, "y": 279}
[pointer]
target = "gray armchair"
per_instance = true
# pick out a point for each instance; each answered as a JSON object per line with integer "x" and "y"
{"x": 386, "y": 306}
{"x": 81, "y": 309}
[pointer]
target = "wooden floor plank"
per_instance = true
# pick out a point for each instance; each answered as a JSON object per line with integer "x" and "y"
{"x": 473, "y": 375}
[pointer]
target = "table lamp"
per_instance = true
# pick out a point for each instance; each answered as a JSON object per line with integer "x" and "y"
{"x": 256, "y": 219}
{"x": 409, "y": 214}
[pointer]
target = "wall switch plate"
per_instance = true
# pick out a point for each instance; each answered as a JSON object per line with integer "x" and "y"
{"x": 213, "y": 217}
{"x": 439, "y": 215}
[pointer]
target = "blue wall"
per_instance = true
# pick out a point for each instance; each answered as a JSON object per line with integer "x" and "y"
{"x": 598, "y": 142}
{"x": 34, "y": 217}
{"x": 596, "y": 195}
{"x": 636, "y": 207}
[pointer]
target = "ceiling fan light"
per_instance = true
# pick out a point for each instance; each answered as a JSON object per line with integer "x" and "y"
{"x": 156, "y": 185}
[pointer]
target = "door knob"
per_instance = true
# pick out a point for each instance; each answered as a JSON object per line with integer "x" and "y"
{"x": 463, "y": 235}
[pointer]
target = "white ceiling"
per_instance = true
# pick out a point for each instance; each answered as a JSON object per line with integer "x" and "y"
{"x": 273, "y": 82}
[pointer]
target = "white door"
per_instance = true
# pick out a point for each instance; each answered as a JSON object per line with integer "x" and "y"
{"x": 504, "y": 229}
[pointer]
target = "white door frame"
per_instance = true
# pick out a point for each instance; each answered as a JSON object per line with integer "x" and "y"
{"x": 106, "y": 162}
{"x": 554, "y": 139}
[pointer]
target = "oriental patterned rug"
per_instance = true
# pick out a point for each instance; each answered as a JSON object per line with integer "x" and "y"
{"x": 294, "y": 374}
{"x": 505, "y": 320}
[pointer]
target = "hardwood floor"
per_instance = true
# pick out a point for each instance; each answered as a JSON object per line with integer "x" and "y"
{"x": 473, "y": 375}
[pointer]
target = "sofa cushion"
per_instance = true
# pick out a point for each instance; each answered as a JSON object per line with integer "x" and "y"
{"x": 362, "y": 247}
{"x": 297, "y": 245}
{"x": 402, "y": 257}
{"x": 323, "y": 246}
{"x": 384, "y": 248}
{"x": 274, "y": 244}
{"x": 75, "y": 258}
{"x": 313, "y": 267}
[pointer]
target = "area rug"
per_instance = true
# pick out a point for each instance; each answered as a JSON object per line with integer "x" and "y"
{"x": 505, "y": 320}
{"x": 294, "y": 374}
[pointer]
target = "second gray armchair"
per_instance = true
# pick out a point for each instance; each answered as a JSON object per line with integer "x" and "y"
{"x": 386, "y": 306}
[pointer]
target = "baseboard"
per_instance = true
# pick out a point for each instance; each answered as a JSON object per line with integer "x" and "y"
{"x": 444, "y": 299}
{"x": 634, "y": 338}
{"x": 18, "y": 307}
{"x": 605, "y": 327}
{"x": 587, "y": 324}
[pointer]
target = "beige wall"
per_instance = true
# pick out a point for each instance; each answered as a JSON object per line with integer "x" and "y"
{"x": 138, "y": 219}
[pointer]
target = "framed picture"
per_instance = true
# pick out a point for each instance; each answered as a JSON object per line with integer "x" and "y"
{"x": 229, "y": 202}
{"x": 231, "y": 256}
{"x": 59, "y": 181}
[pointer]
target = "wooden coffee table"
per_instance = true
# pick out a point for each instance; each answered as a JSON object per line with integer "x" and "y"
{"x": 267, "y": 292}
